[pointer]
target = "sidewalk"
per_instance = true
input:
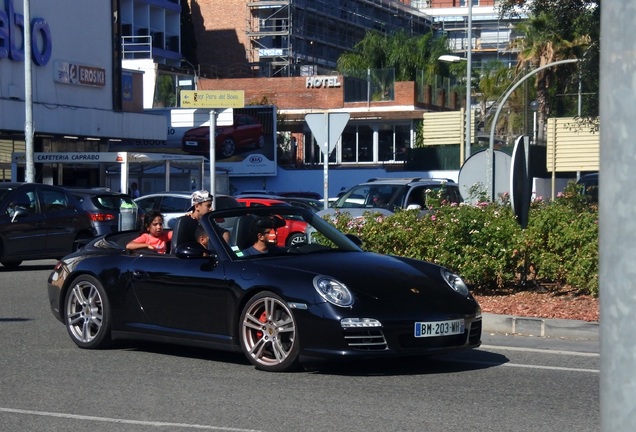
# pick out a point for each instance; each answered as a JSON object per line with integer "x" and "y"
{"x": 541, "y": 327}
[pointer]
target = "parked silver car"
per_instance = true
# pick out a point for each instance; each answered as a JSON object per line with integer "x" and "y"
{"x": 387, "y": 195}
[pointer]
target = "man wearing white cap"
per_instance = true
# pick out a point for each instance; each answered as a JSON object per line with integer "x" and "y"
{"x": 201, "y": 201}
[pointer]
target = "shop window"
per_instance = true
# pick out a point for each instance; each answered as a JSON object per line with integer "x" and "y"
{"x": 385, "y": 142}
{"x": 365, "y": 143}
{"x": 349, "y": 144}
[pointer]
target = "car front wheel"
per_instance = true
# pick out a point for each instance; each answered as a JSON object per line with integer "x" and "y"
{"x": 87, "y": 312}
{"x": 268, "y": 333}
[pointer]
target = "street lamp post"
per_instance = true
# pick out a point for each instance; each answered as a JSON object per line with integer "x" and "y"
{"x": 468, "y": 58}
{"x": 490, "y": 169}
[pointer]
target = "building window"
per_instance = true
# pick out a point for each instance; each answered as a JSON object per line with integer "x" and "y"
{"x": 364, "y": 143}
{"x": 462, "y": 3}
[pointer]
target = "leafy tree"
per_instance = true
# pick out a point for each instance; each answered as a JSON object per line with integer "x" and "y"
{"x": 558, "y": 30}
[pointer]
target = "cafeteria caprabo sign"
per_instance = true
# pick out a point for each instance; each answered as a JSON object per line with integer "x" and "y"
{"x": 67, "y": 157}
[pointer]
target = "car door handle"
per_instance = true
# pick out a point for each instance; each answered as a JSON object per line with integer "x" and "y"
{"x": 140, "y": 274}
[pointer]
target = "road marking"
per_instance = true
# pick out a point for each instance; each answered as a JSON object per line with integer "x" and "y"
{"x": 558, "y": 368}
{"x": 124, "y": 421}
{"x": 544, "y": 351}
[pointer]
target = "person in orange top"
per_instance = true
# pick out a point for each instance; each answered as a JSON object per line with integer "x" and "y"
{"x": 153, "y": 237}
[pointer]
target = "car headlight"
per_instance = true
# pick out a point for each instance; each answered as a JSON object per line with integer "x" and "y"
{"x": 455, "y": 282}
{"x": 333, "y": 291}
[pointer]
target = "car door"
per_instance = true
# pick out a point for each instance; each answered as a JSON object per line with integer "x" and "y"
{"x": 63, "y": 220}
{"x": 183, "y": 295}
{"x": 23, "y": 232}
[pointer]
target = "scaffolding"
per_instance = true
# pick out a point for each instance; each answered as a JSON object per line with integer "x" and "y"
{"x": 306, "y": 37}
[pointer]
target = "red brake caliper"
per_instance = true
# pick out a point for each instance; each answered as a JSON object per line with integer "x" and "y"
{"x": 263, "y": 319}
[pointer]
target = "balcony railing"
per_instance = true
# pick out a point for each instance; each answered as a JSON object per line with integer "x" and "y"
{"x": 136, "y": 47}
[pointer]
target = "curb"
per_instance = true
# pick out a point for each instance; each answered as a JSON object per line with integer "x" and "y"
{"x": 540, "y": 327}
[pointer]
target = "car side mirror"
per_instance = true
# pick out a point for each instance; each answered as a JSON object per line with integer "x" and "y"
{"x": 414, "y": 207}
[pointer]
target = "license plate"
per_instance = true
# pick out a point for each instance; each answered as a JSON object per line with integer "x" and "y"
{"x": 439, "y": 328}
{"x": 192, "y": 143}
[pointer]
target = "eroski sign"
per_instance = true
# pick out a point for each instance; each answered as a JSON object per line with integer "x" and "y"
{"x": 11, "y": 23}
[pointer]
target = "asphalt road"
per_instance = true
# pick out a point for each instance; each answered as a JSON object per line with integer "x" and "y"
{"x": 511, "y": 383}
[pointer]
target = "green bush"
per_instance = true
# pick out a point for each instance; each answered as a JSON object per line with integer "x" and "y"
{"x": 485, "y": 244}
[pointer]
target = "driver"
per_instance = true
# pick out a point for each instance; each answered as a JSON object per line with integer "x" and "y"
{"x": 265, "y": 230}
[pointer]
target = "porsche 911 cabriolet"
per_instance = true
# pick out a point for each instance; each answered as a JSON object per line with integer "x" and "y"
{"x": 323, "y": 299}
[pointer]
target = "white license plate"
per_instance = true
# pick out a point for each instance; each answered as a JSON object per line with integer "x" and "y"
{"x": 192, "y": 143}
{"x": 439, "y": 328}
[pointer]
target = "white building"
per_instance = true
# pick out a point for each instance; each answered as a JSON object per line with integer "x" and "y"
{"x": 81, "y": 97}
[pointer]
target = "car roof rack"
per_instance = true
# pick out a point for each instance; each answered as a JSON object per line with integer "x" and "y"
{"x": 410, "y": 179}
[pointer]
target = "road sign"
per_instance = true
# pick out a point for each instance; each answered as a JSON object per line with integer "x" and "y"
{"x": 212, "y": 98}
{"x": 327, "y": 125}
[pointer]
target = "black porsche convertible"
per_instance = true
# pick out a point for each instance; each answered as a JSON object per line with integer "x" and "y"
{"x": 322, "y": 299}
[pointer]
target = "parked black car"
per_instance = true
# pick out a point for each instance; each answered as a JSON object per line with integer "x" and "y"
{"x": 321, "y": 299}
{"x": 39, "y": 221}
{"x": 109, "y": 211}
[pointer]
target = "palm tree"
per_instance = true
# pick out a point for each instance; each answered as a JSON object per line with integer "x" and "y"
{"x": 399, "y": 51}
{"x": 543, "y": 44}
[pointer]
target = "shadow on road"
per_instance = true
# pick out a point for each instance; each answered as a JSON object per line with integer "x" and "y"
{"x": 462, "y": 361}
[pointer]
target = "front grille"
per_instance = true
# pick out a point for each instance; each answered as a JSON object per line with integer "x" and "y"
{"x": 475, "y": 332}
{"x": 366, "y": 340}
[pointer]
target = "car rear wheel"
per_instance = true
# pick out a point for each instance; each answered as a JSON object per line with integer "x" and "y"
{"x": 268, "y": 333}
{"x": 87, "y": 313}
{"x": 228, "y": 147}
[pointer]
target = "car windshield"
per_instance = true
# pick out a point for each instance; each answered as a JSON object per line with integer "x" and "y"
{"x": 278, "y": 230}
{"x": 369, "y": 196}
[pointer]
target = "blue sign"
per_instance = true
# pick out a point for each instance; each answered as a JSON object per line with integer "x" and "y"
{"x": 41, "y": 42}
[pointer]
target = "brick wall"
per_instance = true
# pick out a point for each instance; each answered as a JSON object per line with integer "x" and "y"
{"x": 286, "y": 93}
{"x": 219, "y": 27}
{"x": 292, "y": 93}
{"x": 456, "y": 3}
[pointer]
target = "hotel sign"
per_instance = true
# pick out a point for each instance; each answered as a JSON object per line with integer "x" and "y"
{"x": 322, "y": 82}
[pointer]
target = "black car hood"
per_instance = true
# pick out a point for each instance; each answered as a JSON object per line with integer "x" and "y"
{"x": 370, "y": 274}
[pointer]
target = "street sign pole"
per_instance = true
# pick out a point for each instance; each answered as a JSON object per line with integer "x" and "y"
{"x": 325, "y": 153}
{"x": 213, "y": 156}
{"x": 327, "y": 128}
{"x": 213, "y": 99}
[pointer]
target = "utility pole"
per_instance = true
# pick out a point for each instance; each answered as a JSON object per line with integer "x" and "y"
{"x": 28, "y": 96}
